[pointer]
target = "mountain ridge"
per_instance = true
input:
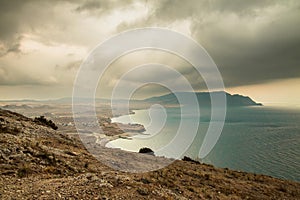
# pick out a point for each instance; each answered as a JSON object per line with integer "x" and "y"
{"x": 204, "y": 98}
{"x": 170, "y": 98}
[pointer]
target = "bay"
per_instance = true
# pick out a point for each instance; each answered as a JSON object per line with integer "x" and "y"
{"x": 263, "y": 140}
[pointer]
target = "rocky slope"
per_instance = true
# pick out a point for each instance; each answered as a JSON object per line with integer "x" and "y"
{"x": 37, "y": 162}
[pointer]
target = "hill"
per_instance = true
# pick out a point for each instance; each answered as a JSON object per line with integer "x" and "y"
{"x": 204, "y": 99}
{"x": 37, "y": 162}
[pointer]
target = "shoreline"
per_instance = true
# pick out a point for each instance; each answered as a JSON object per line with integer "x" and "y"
{"x": 117, "y": 135}
{"x": 50, "y": 165}
{"x": 129, "y": 129}
{"x": 243, "y": 166}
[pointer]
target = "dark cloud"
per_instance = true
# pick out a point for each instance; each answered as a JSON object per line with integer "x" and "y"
{"x": 90, "y": 5}
{"x": 269, "y": 53}
{"x": 18, "y": 17}
{"x": 252, "y": 42}
{"x": 99, "y": 7}
{"x": 10, "y": 26}
{"x": 53, "y": 22}
{"x": 170, "y": 10}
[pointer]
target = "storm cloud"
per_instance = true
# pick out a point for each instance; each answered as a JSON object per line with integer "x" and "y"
{"x": 252, "y": 42}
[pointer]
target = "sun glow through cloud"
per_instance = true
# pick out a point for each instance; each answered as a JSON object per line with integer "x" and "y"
{"x": 254, "y": 44}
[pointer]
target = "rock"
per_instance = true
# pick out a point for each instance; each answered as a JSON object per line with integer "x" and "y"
{"x": 94, "y": 178}
{"x": 146, "y": 150}
{"x": 143, "y": 191}
{"x": 106, "y": 184}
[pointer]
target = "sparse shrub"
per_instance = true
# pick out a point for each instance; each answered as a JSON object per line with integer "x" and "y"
{"x": 282, "y": 188}
{"x": 48, "y": 157}
{"x": 143, "y": 191}
{"x": 15, "y": 130}
{"x": 10, "y": 130}
{"x": 185, "y": 158}
{"x": 42, "y": 120}
{"x": 190, "y": 188}
{"x": 24, "y": 171}
{"x": 3, "y": 128}
{"x": 206, "y": 176}
{"x": 145, "y": 181}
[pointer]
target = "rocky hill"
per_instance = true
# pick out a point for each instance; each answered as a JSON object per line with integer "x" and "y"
{"x": 37, "y": 162}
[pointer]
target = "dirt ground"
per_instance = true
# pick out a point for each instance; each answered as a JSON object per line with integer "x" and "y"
{"x": 37, "y": 162}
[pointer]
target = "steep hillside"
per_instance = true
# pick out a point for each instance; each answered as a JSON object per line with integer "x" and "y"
{"x": 37, "y": 162}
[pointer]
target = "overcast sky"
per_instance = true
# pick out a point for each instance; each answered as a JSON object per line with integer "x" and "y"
{"x": 255, "y": 44}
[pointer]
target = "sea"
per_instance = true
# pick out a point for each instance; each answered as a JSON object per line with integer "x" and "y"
{"x": 258, "y": 139}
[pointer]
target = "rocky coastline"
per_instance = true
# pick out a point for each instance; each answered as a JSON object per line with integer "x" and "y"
{"x": 37, "y": 162}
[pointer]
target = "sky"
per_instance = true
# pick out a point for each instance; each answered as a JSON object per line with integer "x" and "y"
{"x": 255, "y": 44}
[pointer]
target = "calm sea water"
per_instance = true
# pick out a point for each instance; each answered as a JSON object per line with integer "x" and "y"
{"x": 264, "y": 140}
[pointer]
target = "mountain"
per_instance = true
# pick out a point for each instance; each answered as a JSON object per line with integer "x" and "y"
{"x": 204, "y": 99}
{"x": 9, "y": 107}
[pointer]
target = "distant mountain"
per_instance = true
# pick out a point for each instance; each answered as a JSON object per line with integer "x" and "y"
{"x": 9, "y": 107}
{"x": 19, "y": 100}
{"x": 203, "y": 98}
{"x": 171, "y": 99}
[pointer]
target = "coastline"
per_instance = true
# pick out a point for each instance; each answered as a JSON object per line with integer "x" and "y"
{"x": 249, "y": 162}
{"x": 130, "y": 130}
{"x": 67, "y": 127}
{"x": 52, "y": 165}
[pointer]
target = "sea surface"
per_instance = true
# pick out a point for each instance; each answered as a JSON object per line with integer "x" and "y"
{"x": 263, "y": 140}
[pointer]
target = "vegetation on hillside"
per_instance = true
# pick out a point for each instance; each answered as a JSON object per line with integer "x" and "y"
{"x": 46, "y": 122}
